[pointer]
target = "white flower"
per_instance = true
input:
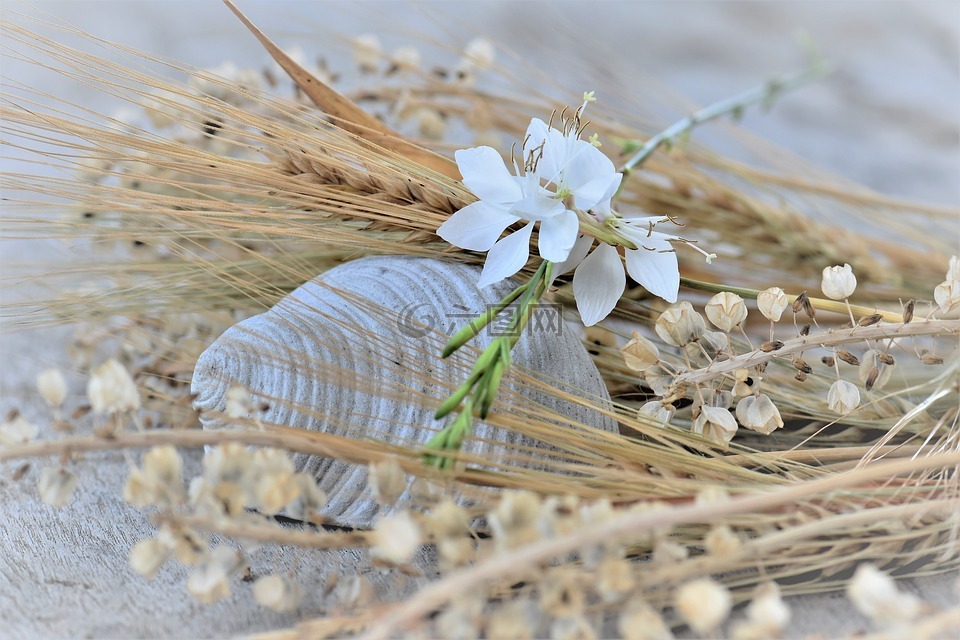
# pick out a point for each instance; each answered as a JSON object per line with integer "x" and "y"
{"x": 599, "y": 280}
{"x": 838, "y": 283}
{"x": 558, "y": 168}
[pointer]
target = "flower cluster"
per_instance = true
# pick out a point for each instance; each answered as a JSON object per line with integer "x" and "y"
{"x": 566, "y": 184}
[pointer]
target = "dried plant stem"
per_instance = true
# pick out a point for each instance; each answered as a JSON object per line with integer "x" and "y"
{"x": 734, "y": 105}
{"x": 828, "y": 339}
{"x": 630, "y": 523}
{"x": 820, "y": 304}
{"x": 264, "y": 533}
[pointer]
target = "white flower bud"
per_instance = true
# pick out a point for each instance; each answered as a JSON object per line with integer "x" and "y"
{"x": 640, "y": 353}
{"x": 406, "y": 58}
{"x": 876, "y": 596}
{"x": 843, "y": 397}
{"x": 52, "y": 387}
{"x": 726, "y": 311}
{"x": 656, "y": 411}
{"x": 112, "y": 390}
{"x": 721, "y": 541}
{"x": 239, "y": 404}
{"x": 279, "y": 593}
{"x": 147, "y": 556}
{"x": 838, "y": 282}
{"x": 703, "y": 604}
{"x": 759, "y": 414}
{"x": 208, "y": 583}
{"x": 367, "y": 52}
{"x": 396, "y": 538}
{"x": 680, "y": 324}
{"x": 17, "y": 431}
{"x": 953, "y": 271}
{"x": 387, "y": 480}
{"x": 947, "y": 295}
{"x": 480, "y": 53}
{"x": 772, "y": 303}
{"x": 56, "y": 486}
{"x": 767, "y": 610}
{"x": 715, "y": 424}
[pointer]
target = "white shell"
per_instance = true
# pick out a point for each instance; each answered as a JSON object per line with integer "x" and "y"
{"x": 349, "y": 377}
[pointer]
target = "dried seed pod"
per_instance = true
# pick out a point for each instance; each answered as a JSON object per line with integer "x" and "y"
{"x": 800, "y": 365}
{"x": 726, "y": 311}
{"x": 772, "y": 303}
{"x": 800, "y": 376}
{"x": 843, "y": 397}
{"x": 885, "y": 358}
{"x": 802, "y": 303}
{"x": 871, "y": 378}
{"x": 908, "y": 311}
{"x": 872, "y": 319}
{"x": 771, "y": 345}
{"x": 929, "y": 358}
{"x": 805, "y": 330}
{"x": 848, "y": 357}
{"x": 828, "y": 360}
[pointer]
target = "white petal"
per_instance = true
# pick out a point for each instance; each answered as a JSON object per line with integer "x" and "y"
{"x": 538, "y": 206}
{"x": 587, "y": 163}
{"x": 656, "y": 270}
{"x": 506, "y": 257}
{"x": 580, "y": 249}
{"x": 598, "y": 283}
{"x": 476, "y": 227}
{"x": 557, "y": 236}
{"x": 486, "y": 176}
{"x": 597, "y": 192}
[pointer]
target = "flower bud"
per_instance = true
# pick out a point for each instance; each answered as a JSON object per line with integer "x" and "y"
{"x": 640, "y": 353}
{"x": 726, "y": 311}
{"x": 112, "y": 390}
{"x": 715, "y": 424}
{"x": 680, "y": 324}
{"x": 838, "y": 282}
{"x": 704, "y": 604}
{"x": 947, "y": 295}
{"x": 772, "y": 303}
{"x": 759, "y": 414}
{"x": 367, "y": 52}
{"x": 843, "y": 397}
{"x": 52, "y": 387}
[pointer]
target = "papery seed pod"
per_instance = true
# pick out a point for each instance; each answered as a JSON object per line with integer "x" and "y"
{"x": 802, "y": 303}
{"x": 759, "y": 414}
{"x": 772, "y": 303}
{"x": 838, "y": 282}
{"x": 867, "y": 321}
{"x": 771, "y": 345}
{"x": 52, "y": 387}
{"x": 885, "y": 358}
{"x": 800, "y": 376}
{"x": 929, "y": 358}
{"x": 908, "y": 311}
{"x": 800, "y": 365}
{"x": 829, "y": 361}
{"x": 843, "y": 397}
{"x": 848, "y": 357}
{"x": 874, "y": 373}
{"x": 805, "y": 330}
{"x": 680, "y": 324}
{"x": 640, "y": 353}
{"x": 726, "y": 311}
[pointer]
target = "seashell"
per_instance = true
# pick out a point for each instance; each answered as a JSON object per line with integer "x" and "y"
{"x": 360, "y": 345}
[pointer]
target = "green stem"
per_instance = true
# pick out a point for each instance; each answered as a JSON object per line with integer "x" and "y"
{"x": 765, "y": 93}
